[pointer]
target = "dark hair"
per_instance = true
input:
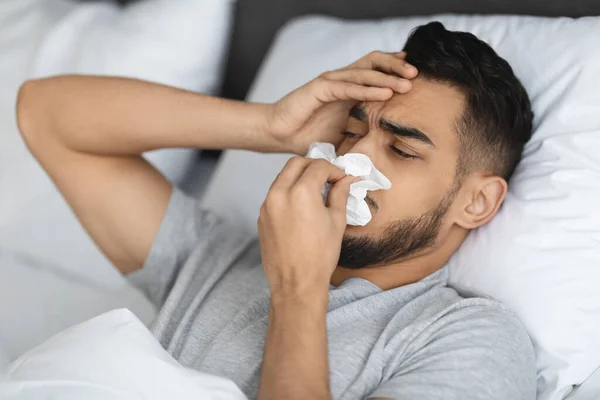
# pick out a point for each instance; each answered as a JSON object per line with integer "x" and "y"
{"x": 497, "y": 118}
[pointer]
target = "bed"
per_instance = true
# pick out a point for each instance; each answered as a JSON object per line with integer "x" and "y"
{"x": 251, "y": 36}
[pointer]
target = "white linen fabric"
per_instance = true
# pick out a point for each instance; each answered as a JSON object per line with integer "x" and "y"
{"x": 110, "y": 357}
{"x": 38, "y": 300}
{"x": 540, "y": 255}
{"x": 4, "y": 359}
{"x": 176, "y": 42}
{"x": 589, "y": 389}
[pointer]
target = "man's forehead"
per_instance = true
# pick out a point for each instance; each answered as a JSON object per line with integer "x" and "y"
{"x": 429, "y": 106}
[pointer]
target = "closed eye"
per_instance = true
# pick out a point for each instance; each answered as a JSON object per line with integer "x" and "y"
{"x": 402, "y": 153}
{"x": 351, "y": 135}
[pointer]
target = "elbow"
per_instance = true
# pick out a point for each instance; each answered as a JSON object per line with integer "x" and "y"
{"x": 28, "y": 109}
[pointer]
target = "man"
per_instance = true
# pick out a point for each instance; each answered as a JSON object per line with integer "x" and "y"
{"x": 316, "y": 309}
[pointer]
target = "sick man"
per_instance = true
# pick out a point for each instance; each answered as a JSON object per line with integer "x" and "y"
{"x": 313, "y": 308}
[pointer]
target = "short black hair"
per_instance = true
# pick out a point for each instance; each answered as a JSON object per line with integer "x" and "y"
{"x": 497, "y": 119}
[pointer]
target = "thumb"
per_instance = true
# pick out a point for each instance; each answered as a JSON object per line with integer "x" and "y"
{"x": 338, "y": 195}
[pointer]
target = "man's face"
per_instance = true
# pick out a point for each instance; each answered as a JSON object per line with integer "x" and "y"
{"x": 411, "y": 139}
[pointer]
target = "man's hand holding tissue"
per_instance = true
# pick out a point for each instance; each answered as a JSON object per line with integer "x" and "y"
{"x": 300, "y": 241}
{"x": 300, "y": 235}
{"x": 318, "y": 110}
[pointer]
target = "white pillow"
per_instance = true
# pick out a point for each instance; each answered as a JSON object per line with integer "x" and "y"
{"x": 176, "y": 42}
{"x": 112, "y": 356}
{"x": 541, "y": 254}
{"x": 4, "y": 359}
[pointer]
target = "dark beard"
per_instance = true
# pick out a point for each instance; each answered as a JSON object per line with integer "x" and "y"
{"x": 400, "y": 239}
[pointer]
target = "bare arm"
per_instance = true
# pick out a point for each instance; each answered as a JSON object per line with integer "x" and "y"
{"x": 295, "y": 363}
{"x": 88, "y": 134}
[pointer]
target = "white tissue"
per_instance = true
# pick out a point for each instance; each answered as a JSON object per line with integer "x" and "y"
{"x": 355, "y": 164}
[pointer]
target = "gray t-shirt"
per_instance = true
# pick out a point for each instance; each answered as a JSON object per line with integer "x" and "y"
{"x": 416, "y": 342}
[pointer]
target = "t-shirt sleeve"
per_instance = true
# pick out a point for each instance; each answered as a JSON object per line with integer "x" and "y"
{"x": 475, "y": 353}
{"x": 185, "y": 224}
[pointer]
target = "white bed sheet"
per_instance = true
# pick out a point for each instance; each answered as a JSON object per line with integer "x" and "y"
{"x": 589, "y": 390}
{"x": 54, "y": 276}
{"x": 38, "y": 300}
{"x": 4, "y": 360}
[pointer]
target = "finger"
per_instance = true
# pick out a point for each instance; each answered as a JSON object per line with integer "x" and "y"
{"x": 327, "y": 91}
{"x": 338, "y": 195}
{"x": 290, "y": 173}
{"x": 317, "y": 174}
{"x": 369, "y": 77}
{"x": 401, "y": 54}
{"x": 387, "y": 62}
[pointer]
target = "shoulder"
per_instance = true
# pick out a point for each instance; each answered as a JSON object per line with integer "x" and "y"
{"x": 475, "y": 347}
{"x": 477, "y": 321}
{"x": 480, "y": 313}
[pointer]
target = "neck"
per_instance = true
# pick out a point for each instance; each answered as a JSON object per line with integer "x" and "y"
{"x": 409, "y": 270}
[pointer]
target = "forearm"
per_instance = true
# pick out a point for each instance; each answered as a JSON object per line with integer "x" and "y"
{"x": 118, "y": 116}
{"x": 295, "y": 363}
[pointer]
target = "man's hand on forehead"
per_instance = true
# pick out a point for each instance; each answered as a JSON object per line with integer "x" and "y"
{"x": 318, "y": 110}
{"x": 388, "y": 64}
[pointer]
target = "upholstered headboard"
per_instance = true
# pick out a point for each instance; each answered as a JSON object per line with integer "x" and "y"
{"x": 256, "y": 22}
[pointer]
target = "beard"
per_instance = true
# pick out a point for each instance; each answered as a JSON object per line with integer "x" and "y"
{"x": 400, "y": 239}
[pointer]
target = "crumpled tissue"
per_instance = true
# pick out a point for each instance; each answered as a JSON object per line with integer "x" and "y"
{"x": 355, "y": 164}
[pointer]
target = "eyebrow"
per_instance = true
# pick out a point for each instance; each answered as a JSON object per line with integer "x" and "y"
{"x": 405, "y": 131}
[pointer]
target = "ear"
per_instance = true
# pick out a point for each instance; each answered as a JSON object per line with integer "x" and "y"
{"x": 483, "y": 197}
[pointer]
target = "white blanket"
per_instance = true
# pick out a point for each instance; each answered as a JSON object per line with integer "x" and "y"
{"x": 112, "y": 356}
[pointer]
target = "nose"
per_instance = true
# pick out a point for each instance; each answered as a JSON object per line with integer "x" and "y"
{"x": 367, "y": 145}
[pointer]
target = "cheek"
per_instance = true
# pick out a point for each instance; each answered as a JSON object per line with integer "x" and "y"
{"x": 413, "y": 193}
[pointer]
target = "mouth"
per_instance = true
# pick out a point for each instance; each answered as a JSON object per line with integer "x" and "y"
{"x": 372, "y": 204}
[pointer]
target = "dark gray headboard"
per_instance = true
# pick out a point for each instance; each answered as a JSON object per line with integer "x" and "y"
{"x": 257, "y": 21}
